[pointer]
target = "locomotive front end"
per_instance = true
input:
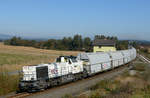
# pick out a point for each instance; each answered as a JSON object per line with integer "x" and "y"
{"x": 33, "y": 78}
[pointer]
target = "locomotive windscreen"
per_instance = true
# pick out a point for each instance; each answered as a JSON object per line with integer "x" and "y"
{"x": 42, "y": 72}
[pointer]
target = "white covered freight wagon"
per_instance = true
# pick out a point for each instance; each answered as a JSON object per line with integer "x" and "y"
{"x": 95, "y": 62}
{"x": 117, "y": 58}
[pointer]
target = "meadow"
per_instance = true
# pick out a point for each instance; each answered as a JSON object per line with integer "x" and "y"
{"x": 12, "y": 58}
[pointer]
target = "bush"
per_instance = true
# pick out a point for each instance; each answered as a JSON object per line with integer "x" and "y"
{"x": 146, "y": 74}
{"x": 125, "y": 74}
{"x": 139, "y": 67}
{"x": 96, "y": 94}
{"x": 145, "y": 50}
{"x": 102, "y": 84}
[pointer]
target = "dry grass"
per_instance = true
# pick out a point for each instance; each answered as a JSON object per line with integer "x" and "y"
{"x": 8, "y": 83}
{"x": 125, "y": 85}
{"x": 14, "y": 57}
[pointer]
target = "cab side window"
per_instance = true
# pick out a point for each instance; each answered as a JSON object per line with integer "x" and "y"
{"x": 70, "y": 62}
{"x": 58, "y": 60}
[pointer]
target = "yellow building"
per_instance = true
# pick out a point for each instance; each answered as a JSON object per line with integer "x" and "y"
{"x": 104, "y": 45}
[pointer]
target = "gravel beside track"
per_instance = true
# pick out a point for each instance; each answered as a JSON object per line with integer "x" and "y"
{"x": 75, "y": 88}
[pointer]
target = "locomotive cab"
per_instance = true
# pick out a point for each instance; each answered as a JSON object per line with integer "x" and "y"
{"x": 63, "y": 59}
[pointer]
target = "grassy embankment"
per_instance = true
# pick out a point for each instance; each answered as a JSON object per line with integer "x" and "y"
{"x": 126, "y": 85}
{"x": 12, "y": 58}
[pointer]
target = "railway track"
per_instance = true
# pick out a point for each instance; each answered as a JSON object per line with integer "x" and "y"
{"x": 143, "y": 58}
{"x": 73, "y": 87}
{"x": 20, "y": 95}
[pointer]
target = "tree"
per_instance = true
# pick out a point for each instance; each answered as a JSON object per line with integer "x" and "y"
{"x": 87, "y": 43}
{"x": 15, "y": 41}
{"x": 122, "y": 45}
{"x": 134, "y": 44}
{"x": 67, "y": 43}
{"x": 7, "y": 42}
{"x": 77, "y": 42}
{"x": 99, "y": 37}
{"x": 70, "y": 43}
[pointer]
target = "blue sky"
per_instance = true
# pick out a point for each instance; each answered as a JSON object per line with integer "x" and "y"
{"x": 127, "y": 19}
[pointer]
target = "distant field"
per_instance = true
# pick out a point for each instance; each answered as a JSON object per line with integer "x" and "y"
{"x": 14, "y": 57}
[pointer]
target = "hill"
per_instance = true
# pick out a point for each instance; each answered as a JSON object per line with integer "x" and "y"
{"x": 4, "y": 36}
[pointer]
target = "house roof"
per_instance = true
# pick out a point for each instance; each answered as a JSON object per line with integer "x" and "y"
{"x": 104, "y": 42}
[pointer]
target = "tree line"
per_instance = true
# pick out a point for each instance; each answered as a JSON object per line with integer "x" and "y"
{"x": 77, "y": 42}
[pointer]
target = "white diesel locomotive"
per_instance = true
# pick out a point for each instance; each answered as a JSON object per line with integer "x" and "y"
{"x": 71, "y": 68}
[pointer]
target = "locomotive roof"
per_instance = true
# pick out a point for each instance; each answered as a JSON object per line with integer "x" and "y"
{"x": 68, "y": 56}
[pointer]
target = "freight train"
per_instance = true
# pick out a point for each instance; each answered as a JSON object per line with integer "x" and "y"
{"x": 70, "y": 68}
